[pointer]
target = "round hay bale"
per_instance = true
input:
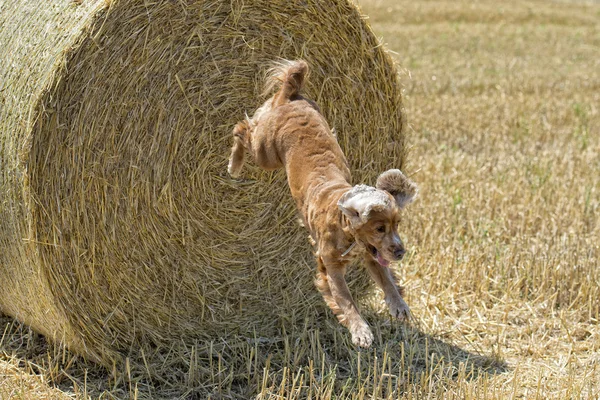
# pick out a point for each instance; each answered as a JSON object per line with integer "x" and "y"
{"x": 118, "y": 222}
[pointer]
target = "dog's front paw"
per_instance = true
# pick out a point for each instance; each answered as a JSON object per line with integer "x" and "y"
{"x": 362, "y": 335}
{"x": 233, "y": 170}
{"x": 398, "y": 308}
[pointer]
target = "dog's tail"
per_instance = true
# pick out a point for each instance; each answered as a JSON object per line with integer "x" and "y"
{"x": 290, "y": 75}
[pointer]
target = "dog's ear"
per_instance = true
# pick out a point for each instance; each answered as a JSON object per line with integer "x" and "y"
{"x": 358, "y": 202}
{"x": 398, "y": 185}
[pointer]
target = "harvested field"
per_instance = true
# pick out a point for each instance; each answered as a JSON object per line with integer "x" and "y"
{"x": 502, "y": 104}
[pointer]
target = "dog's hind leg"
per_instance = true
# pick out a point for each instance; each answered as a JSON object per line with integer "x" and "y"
{"x": 241, "y": 141}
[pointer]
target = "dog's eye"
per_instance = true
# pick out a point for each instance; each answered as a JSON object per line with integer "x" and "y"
{"x": 381, "y": 229}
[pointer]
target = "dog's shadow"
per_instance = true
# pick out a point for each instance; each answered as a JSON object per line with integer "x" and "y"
{"x": 406, "y": 353}
{"x": 426, "y": 353}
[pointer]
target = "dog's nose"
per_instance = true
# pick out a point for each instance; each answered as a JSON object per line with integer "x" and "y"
{"x": 399, "y": 253}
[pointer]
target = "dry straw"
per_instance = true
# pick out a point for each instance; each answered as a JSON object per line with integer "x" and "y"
{"x": 118, "y": 223}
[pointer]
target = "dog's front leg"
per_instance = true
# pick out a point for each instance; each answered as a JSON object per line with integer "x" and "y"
{"x": 349, "y": 315}
{"x": 384, "y": 278}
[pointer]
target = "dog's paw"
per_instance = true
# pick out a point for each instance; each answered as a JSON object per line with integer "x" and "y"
{"x": 233, "y": 170}
{"x": 398, "y": 309}
{"x": 362, "y": 335}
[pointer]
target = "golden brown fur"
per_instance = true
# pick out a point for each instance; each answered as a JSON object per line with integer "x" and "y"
{"x": 345, "y": 221}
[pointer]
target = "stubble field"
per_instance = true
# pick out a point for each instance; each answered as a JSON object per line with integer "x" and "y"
{"x": 503, "y": 269}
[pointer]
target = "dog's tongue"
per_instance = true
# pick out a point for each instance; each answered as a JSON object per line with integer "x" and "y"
{"x": 382, "y": 261}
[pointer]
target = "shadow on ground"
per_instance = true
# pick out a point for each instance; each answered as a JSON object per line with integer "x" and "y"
{"x": 317, "y": 353}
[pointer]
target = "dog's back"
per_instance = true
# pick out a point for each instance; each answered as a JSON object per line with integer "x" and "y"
{"x": 308, "y": 149}
{"x": 289, "y": 131}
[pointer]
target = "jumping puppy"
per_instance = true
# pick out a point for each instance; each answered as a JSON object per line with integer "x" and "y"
{"x": 344, "y": 221}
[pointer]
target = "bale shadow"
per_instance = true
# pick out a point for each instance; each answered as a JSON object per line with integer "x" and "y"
{"x": 234, "y": 367}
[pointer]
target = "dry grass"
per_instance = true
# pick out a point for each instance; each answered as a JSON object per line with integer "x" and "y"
{"x": 502, "y": 275}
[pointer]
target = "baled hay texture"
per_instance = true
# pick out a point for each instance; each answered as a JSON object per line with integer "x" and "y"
{"x": 118, "y": 222}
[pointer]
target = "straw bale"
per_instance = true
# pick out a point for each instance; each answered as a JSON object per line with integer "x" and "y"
{"x": 118, "y": 222}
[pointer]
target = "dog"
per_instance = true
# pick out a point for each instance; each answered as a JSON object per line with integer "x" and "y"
{"x": 344, "y": 221}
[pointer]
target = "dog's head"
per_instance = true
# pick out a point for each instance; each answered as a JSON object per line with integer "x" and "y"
{"x": 374, "y": 214}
